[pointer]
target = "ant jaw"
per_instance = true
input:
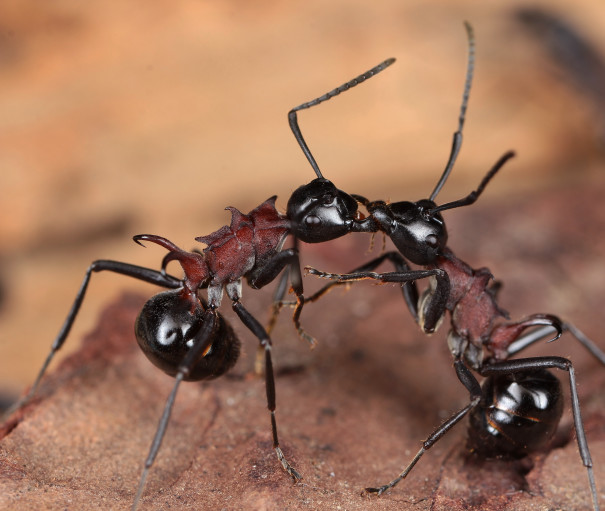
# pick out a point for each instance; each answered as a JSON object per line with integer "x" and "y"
{"x": 364, "y": 224}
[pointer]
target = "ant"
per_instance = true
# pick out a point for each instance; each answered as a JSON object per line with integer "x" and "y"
{"x": 182, "y": 333}
{"x": 518, "y": 407}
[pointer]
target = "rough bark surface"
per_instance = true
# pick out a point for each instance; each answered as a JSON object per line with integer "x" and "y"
{"x": 350, "y": 413}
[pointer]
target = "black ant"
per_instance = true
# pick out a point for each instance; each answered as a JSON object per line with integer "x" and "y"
{"x": 517, "y": 409}
{"x": 182, "y": 333}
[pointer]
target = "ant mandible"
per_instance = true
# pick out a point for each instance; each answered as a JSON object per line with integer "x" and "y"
{"x": 182, "y": 333}
{"x": 518, "y": 407}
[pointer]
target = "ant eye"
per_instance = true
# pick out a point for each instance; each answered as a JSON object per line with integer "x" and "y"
{"x": 431, "y": 241}
{"x": 312, "y": 220}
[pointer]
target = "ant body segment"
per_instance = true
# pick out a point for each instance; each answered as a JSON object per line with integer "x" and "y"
{"x": 182, "y": 333}
{"x": 517, "y": 409}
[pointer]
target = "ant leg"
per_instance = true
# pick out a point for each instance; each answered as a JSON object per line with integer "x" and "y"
{"x": 431, "y": 310}
{"x": 280, "y": 293}
{"x": 278, "y": 300}
{"x": 409, "y": 289}
{"x": 585, "y": 341}
{"x": 472, "y": 385}
{"x": 208, "y": 324}
{"x": 276, "y": 306}
{"x": 269, "y": 271}
{"x": 297, "y": 287}
{"x": 130, "y": 270}
{"x": 524, "y": 364}
{"x": 256, "y": 328}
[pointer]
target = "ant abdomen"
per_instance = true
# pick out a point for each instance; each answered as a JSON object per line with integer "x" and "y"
{"x": 168, "y": 326}
{"x": 518, "y": 413}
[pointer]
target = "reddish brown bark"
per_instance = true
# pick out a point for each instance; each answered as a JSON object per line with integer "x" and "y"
{"x": 350, "y": 413}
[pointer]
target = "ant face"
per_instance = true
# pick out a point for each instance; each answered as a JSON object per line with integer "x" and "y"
{"x": 321, "y": 212}
{"x": 418, "y": 233}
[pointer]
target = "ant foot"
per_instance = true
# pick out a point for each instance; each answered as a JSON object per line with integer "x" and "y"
{"x": 287, "y": 467}
{"x": 377, "y": 491}
{"x": 306, "y": 337}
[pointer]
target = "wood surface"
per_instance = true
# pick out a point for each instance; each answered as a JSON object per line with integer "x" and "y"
{"x": 124, "y": 118}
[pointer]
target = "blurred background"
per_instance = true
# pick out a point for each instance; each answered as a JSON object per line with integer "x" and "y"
{"x": 120, "y": 118}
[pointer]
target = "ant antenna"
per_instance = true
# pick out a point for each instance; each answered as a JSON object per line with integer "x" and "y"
{"x": 457, "y": 142}
{"x": 474, "y": 195}
{"x": 293, "y": 120}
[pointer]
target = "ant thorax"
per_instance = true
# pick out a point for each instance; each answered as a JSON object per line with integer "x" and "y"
{"x": 472, "y": 306}
{"x": 249, "y": 239}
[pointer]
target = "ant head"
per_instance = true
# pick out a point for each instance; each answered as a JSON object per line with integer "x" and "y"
{"x": 417, "y": 231}
{"x": 318, "y": 210}
{"x": 417, "y": 228}
{"x": 321, "y": 212}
